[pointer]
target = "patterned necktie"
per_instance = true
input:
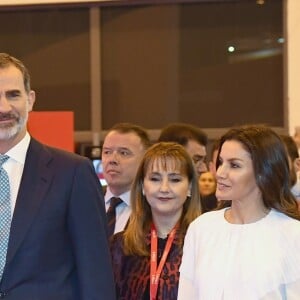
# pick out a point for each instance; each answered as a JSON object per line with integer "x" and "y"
{"x": 111, "y": 215}
{"x": 5, "y": 214}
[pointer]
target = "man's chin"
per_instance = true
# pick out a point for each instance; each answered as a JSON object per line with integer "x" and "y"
{"x": 8, "y": 132}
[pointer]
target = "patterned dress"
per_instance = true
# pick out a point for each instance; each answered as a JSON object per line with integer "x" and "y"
{"x": 132, "y": 273}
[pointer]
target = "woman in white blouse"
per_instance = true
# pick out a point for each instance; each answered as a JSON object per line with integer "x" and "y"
{"x": 250, "y": 250}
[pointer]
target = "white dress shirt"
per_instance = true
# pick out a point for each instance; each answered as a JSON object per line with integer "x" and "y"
{"x": 123, "y": 210}
{"x": 14, "y": 167}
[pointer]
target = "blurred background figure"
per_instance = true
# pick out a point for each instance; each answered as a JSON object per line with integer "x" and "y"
{"x": 192, "y": 138}
{"x": 207, "y": 188}
{"x": 296, "y": 138}
{"x": 164, "y": 200}
{"x": 294, "y": 164}
{"x": 207, "y": 181}
{"x": 207, "y": 184}
{"x": 212, "y": 165}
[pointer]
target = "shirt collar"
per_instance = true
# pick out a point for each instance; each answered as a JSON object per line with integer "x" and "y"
{"x": 18, "y": 152}
{"x": 125, "y": 196}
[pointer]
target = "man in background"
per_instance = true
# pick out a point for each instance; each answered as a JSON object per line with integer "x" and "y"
{"x": 53, "y": 234}
{"x": 122, "y": 151}
{"x": 192, "y": 138}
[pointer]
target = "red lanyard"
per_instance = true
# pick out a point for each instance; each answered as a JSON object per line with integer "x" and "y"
{"x": 154, "y": 270}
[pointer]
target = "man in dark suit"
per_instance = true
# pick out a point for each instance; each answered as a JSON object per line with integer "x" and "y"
{"x": 123, "y": 148}
{"x": 57, "y": 245}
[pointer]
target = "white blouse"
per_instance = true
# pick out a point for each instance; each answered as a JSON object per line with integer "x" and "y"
{"x": 253, "y": 261}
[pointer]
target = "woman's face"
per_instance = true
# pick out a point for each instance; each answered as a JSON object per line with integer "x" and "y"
{"x": 166, "y": 189}
{"x": 207, "y": 183}
{"x": 235, "y": 174}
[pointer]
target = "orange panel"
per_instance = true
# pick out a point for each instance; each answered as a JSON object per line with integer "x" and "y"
{"x": 54, "y": 128}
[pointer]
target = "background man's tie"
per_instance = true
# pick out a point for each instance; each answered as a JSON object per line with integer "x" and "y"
{"x": 5, "y": 213}
{"x": 111, "y": 215}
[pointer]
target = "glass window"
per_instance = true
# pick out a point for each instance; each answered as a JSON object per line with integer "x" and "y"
{"x": 212, "y": 64}
{"x": 54, "y": 44}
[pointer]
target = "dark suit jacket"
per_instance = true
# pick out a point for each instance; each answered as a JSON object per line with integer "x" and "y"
{"x": 58, "y": 247}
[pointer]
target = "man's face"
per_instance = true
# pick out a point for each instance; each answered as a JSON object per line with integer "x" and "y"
{"x": 121, "y": 155}
{"x": 198, "y": 155}
{"x": 15, "y": 103}
{"x": 207, "y": 183}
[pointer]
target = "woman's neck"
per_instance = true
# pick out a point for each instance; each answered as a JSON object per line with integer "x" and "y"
{"x": 239, "y": 213}
{"x": 164, "y": 224}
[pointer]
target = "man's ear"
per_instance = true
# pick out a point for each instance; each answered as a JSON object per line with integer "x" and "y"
{"x": 297, "y": 164}
{"x": 31, "y": 100}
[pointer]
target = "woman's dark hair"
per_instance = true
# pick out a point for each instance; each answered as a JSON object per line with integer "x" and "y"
{"x": 293, "y": 154}
{"x": 182, "y": 133}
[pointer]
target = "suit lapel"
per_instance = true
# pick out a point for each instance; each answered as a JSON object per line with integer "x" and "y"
{"x": 34, "y": 184}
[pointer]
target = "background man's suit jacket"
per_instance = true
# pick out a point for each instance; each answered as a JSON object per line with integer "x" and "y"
{"x": 58, "y": 240}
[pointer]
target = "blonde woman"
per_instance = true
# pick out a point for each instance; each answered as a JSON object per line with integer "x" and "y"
{"x": 165, "y": 200}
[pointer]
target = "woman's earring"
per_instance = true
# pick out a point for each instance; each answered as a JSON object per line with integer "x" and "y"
{"x": 189, "y": 193}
